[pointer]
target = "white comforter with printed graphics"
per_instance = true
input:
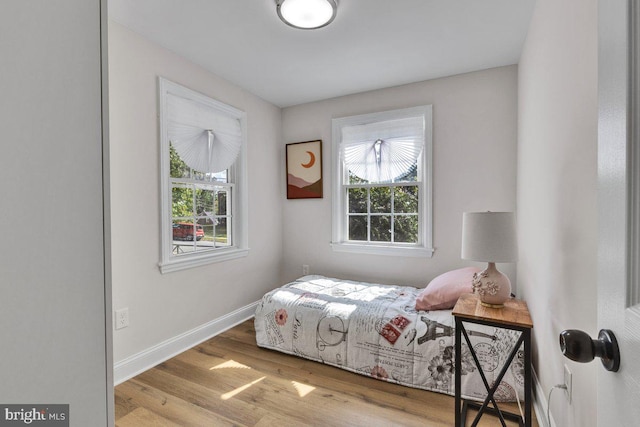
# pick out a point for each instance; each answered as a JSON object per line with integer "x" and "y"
{"x": 375, "y": 330}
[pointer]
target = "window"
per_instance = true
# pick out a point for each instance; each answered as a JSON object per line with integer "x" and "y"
{"x": 203, "y": 187}
{"x": 382, "y": 183}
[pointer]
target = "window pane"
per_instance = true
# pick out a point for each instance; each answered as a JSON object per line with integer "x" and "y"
{"x": 177, "y": 168}
{"x": 207, "y": 226}
{"x": 357, "y": 227}
{"x": 198, "y": 176}
{"x": 381, "y": 228}
{"x": 181, "y": 201}
{"x": 222, "y": 237}
{"x": 406, "y": 229}
{"x": 357, "y": 200}
{"x": 186, "y": 230}
{"x": 380, "y": 199}
{"x": 183, "y": 247}
{"x": 219, "y": 176}
{"x": 409, "y": 175}
{"x": 221, "y": 202}
{"x": 353, "y": 179}
{"x": 406, "y": 199}
{"x": 204, "y": 202}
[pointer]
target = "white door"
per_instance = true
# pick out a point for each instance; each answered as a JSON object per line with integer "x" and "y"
{"x": 619, "y": 209}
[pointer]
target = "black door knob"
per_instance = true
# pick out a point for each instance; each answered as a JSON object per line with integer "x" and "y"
{"x": 578, "y": 346}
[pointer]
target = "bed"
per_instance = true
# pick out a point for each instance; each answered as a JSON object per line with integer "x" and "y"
{"x": 375, "y": 330}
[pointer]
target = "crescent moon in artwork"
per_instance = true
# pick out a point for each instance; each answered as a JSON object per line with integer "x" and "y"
{"x": 311, "y": 161}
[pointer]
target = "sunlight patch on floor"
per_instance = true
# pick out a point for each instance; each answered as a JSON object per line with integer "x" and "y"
{"x": 233, "y": 393}
{"x": 230, "y": 364}
{"x": 302, "y": 389}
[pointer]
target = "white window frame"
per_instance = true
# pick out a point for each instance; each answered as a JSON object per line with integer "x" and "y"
{"x": 340, "y": 242}
{"x": 237, "y": 177}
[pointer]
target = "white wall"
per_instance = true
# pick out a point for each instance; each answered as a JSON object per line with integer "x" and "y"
{"x": 557, "y": 193}
{"x": 474, "y": 149}
{"x": 54, "y": 349}
{"x": 164, "y": 306}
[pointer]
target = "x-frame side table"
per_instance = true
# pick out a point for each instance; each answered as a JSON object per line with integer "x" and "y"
{"x": 515, "y": 316}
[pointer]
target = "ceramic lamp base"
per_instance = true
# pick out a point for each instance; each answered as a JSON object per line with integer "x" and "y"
{"x": 492, "y": 287}
{"x": 486, "y": 304}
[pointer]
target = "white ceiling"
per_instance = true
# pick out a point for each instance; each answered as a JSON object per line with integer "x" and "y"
{"x": 371, "y": 44}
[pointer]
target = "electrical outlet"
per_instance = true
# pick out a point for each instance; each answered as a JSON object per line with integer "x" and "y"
{"x": 305, "y": 269}
{"x": 122, "y": 318}
{"x": 567, "y": 382}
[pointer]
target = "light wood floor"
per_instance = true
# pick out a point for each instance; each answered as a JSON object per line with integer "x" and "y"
{"x": 229, "y": 381}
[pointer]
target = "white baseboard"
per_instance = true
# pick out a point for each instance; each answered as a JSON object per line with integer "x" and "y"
{"x": 540, "y": 402}
{"x": 147, "y": 359}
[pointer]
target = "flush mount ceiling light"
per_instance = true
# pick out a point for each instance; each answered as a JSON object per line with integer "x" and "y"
{"x": 307, "y": 14}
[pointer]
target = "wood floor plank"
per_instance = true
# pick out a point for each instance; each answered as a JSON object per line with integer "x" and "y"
{"x": 378, "y": 392}
{"x": 230, "y": 381}
{"x": 123, "y": 406}
{"x": 278, "y": 394}
{"x": 177, "y": 410}
{"x": 273, "y": 363}
{"x": 273, "y": 420}
{"x": 251, "y": 350}
{"x": 243, "y": 413}
{"x": 142, "y": 417}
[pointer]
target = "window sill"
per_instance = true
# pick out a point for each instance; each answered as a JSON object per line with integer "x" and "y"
{"x": 197, "y": 261}
{"x": 404, "y": 251}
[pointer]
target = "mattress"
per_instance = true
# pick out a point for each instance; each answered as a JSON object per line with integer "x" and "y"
{"x": 374, "y": 330}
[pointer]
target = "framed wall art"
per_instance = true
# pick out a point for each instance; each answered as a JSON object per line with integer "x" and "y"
{"x": 304, "y": 170}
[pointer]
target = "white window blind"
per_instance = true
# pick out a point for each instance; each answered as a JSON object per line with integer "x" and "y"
{"x": 383, "y": 151}
{"x": 205, "y": 140}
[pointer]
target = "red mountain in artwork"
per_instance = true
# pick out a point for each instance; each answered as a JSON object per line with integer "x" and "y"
{"x": 298, "y": 182}
{"x": 298, "y": 188}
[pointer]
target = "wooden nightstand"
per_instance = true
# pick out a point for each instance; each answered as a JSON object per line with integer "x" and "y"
{"x": 515, "y": 316}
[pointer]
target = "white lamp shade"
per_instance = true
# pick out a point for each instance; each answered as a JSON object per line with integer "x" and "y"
{"x": 489, "y": 236}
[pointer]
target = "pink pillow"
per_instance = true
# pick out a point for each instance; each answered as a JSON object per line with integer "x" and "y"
{"x": 443, "y": 291}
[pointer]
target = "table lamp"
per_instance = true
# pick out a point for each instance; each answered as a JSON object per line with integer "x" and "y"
{"x": 490, "y": 237}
